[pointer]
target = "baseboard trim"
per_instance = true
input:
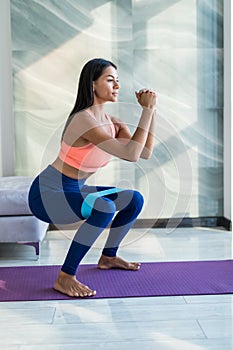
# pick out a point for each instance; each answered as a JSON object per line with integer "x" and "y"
{"x": 206, "y": 221}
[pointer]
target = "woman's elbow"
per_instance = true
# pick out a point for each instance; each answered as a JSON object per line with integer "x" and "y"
{"x": 132, "y": 159}
{"x": 135, "y": 158}
{"x": 146, "y": 155}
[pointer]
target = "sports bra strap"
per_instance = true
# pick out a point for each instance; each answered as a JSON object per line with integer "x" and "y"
{"x": 89, "y": 201}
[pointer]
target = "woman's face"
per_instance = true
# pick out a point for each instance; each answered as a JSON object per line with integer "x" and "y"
{"x": 106, "y": 86}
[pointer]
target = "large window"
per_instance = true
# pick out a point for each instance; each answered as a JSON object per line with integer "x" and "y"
{"x": 173, "y": 46}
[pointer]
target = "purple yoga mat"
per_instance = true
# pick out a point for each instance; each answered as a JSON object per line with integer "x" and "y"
{"x": 153, "y": 279}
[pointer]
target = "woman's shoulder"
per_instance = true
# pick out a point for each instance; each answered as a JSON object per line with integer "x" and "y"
{"x": 118, "y": 123}
{"x": 114, "y": 119}
{"x": 85, "y": 116}
{"x": 84, "y": 112}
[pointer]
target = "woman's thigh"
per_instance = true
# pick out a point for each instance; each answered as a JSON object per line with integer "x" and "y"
{"x": 57, "y": 207}
{"x": 121, "y": 199}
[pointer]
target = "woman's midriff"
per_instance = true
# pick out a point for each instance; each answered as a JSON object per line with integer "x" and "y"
{"x": 69, "y": 170}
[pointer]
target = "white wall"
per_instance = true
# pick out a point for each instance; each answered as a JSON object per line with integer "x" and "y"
{"x": 6, "y": 105}
{"x": 173, "y": 46}
{"x": 6, "y": 114}
{"x": 228, "y": 98}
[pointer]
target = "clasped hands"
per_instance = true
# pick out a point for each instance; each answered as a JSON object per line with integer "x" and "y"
{"x": 146, "y": 98}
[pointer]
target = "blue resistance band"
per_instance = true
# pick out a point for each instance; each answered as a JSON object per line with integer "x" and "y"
{"x": 90, "y": 199}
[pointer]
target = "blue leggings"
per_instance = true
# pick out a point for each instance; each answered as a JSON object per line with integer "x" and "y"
{"x": 58, "y": 199}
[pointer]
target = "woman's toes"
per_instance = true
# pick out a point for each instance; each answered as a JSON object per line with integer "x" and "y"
{"x": 116, "y": 262}
{"x": 137, "y": 265}
{"x": 70, "y": 286}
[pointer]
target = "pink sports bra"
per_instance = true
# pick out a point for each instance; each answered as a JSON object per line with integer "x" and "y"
{"x": 88, "y": 158}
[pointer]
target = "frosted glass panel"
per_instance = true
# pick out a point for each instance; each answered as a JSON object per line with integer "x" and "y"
{"x": 173, "y": 46}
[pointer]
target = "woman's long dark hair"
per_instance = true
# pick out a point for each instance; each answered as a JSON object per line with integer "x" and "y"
{"x": 91, "y": 71}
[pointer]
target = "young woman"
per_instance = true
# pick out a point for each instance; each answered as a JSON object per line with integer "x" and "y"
{"x": 59, "y": 194}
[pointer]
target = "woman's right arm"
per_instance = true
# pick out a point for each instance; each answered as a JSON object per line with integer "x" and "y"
{"x": 131, "y": 149}
{"x": 138, "y": 140}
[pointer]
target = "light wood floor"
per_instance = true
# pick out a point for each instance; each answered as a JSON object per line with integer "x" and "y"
{"x": 160, "y": 323}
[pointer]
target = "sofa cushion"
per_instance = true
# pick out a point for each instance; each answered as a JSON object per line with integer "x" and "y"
{"x": 14, "y": 195}
{"x": 22, "y": 229}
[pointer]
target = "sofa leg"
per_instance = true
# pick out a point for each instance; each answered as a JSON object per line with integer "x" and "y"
{"x": 36, "y": 245}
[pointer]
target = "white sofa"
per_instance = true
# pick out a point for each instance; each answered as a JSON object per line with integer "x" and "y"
{"x": 17, "y": 224}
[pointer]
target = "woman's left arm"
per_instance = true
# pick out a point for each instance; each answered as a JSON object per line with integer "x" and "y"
{"x": 123, "y": 135}
{"x": 149, "y": 145}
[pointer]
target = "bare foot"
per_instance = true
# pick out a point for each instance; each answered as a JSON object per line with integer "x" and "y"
{"x": 69, "y": 285}
{"x": 106, "y": 263}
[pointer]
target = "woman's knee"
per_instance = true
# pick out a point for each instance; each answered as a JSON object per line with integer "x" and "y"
{"x": 137, "y": 200}
{"x": 128, "y": 199}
